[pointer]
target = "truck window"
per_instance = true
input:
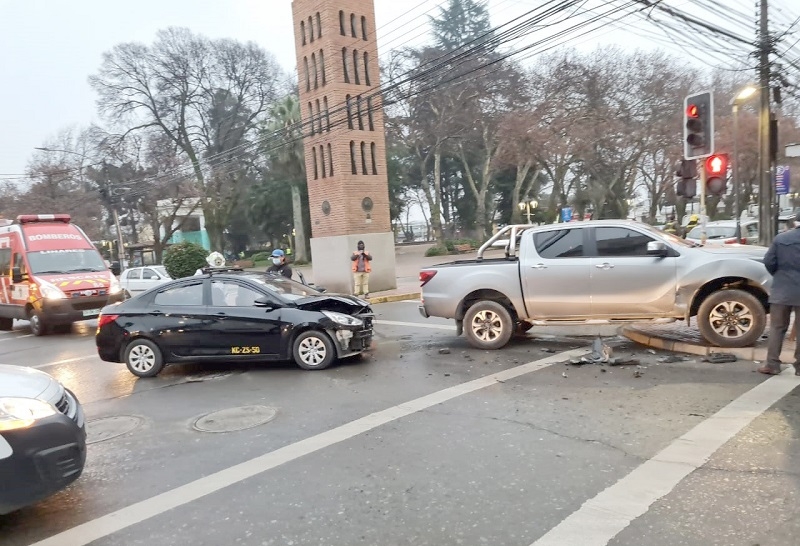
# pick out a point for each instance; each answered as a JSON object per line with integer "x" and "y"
{"x": 66, "y": 261}
{"x": 5, "y": 261}
{"x": 619, "y": 241}
{"x": 562, "y": 243}
{"x": 19, "y": 262}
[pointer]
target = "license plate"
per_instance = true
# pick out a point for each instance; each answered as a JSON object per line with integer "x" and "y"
{"x": 91, "y": 312}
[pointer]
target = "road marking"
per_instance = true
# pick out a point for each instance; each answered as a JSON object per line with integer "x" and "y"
{"x": 136, "y": 513}
{"x": 15, "y": 337}
{"x": 65, "y": 361}
{"x": 416, "y": 325}
{"x": 603, "y": 517}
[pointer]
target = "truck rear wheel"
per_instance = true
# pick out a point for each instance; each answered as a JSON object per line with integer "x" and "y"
{"x": 731, "y": 318}
{"x": 488, "y": 325}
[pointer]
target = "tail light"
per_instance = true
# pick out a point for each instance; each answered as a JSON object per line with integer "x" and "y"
{"x": 102, "y": 320}
{"x": 742, "y": 241}
{"x": 425, "y": 276}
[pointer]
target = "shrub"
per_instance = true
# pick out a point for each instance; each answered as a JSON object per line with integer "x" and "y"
{"x": 183, "y": 259}
{"x": 436, "y": 251}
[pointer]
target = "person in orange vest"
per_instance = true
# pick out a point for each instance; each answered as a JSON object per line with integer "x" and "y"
{"x": 361, "y": 259}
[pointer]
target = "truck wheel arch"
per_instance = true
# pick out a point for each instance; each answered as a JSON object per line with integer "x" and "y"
{"x": 725, "y": 283}
{"x": 485, "y": 294}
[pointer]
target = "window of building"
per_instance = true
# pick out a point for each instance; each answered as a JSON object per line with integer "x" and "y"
{"x": 311, "y": 118}
{"x": 353, "y": 25}
{"x": 353, "y": 157}
{"x": 341, "y": 23}
{"x": 364, "y": 27}
{"x": 369, "y": 114}
{"x": 316, "y": 72}
{"x": 327, "y": 114}
{"x": 374, "y": 164}
{"x": 314, "y": 154}
{"x": 303, "y": 31}
{"x": 319, "y": 118}
{"x": 363, "y": 158}
{"x": 349, "y": 109}
{"x": 355, "y": 67}
{"x": 310, "y": 28}
{"x": 358, "y": 112}
{"x": 366, "y": 68}
{"x": 322, "y": 159}
{"x": 322, "y": 65}
{"x": 319, "y": 26}
{"x": 330, "y": 160}
{"x": 344, "y": 65}
{"x": 308, "y": 74}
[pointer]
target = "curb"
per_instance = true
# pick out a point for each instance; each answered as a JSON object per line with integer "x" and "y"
{"x": 395, "y": 297}
{"x": 656, "y": 342}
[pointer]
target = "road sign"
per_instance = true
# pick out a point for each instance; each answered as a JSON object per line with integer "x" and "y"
{"x": 566, "y": 214}
{"x": 782, "y": 180}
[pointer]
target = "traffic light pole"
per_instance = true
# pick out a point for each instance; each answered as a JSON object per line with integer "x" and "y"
{"x": 703, "y": 177}
{"x": 766, "y": 231}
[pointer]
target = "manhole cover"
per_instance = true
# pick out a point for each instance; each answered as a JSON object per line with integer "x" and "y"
{"x": 232, "y": 419}
{"x": 107, "y": 428}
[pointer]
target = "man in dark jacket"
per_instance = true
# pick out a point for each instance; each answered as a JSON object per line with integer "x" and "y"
{"x": 279, "y": 265}
{"x": 783, "y": 262}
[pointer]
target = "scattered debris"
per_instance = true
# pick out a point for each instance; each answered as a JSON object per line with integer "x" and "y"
{"x": 603, "y": 370}
{"x": 669, "y": 359}
{"x": 638, "y": 373}
{"x": 447, "y": 375}
{"x": 720, "y": 358}
{"x": 563, "y": 374}
{"x": 651, "y": 351}
{"x": 444, "y": 351}
{"x": 696, "y": 415}
{"x": 548, "y": 350}
{"x": 624, "y": 362}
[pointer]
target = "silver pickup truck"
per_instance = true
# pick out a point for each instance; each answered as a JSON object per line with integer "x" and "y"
{"x": 596, "y": 272}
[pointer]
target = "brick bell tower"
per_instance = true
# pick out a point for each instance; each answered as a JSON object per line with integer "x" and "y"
{"x": 344, "y": 142}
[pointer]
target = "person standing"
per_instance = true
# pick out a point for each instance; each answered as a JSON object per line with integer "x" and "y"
{"x": 671, "y": 226}
{"x": 279, "y": 264}
{"x": 783, "y": 262}
{"x": 361, "y": 259}
{"x": 693, "y": 221}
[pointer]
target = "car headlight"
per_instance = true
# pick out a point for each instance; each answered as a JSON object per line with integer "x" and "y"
{"x": 18, "y": 413}
{"x": 341, "y": 318}
{"x": 114, "y": 287}
{"x": 51, "y": 292}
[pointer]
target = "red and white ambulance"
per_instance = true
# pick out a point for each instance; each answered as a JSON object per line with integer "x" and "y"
{"x": 52, "y": 274}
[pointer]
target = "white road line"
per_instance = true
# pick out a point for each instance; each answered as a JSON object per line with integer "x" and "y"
{"x": 15, "y": 337}
{"x": 416, "y": 325}
{"x": 136, "y": 513}
{"x": 65, "y": 361}
{"x": 603, "y": 517}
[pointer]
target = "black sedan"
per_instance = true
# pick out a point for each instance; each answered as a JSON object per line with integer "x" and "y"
{"x": 233, "y": 316}
{"x": 42, "y": 437}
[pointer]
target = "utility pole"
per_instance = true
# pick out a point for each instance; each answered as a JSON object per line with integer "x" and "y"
{"x": 766, "y": 229}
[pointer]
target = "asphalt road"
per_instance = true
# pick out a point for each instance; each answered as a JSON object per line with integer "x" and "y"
{"x": 425, "y": 441}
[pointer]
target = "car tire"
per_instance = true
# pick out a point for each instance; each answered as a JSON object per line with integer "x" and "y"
{"x": 488, "y": 325}
{"x": 726, "y": 313}
{"x": 6, "y": 324}
{"x": 143, "y": 358}
{"x": 38, "y": 326}
{"x": 313, "y": 350}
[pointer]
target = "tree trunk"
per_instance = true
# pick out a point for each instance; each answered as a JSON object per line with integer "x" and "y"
{"x": 300, "y": 249}
{"x": 436, "y": 211}
{"x": 522, "y": 174}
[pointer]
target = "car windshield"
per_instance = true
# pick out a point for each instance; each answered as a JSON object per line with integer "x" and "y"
{"x": 713, "y": 232}
{"x": 161, "y": 270}
{"x": 65, "y": 261}
{"x": 286, "y": 289}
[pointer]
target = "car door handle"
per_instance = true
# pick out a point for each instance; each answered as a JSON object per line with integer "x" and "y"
{"x": 539, "y": 266}
{"x": 221, "y": 314}
{"x": 605, "y": 265}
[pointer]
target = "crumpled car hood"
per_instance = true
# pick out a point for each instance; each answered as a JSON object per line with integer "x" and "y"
{"x": 333, "y": 302}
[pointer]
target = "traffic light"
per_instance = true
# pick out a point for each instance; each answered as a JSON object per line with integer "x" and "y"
{"x": 698, "y": 125}
{"x": 686, "y": 171}
{"x": 716, "y": 167}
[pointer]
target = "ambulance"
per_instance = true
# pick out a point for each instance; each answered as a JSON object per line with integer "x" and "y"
{"x": 51, "y": 274}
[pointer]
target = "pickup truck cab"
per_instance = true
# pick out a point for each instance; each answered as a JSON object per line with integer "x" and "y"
{"x": 602, "y": 271}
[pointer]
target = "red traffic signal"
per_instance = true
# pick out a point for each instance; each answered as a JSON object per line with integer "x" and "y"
{"x": 692, "y": 111}
{"x": 698, "y": 125}
{"x": 716, "y": 167}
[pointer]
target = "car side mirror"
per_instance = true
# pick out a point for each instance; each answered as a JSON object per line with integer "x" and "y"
{"x": 116, "y": 269}
{"x": 154, "y": 277}
{"x": 319, "y": 288}
{"x": 265, "y": 303}
{"x": 16, "y": 274}
{"x": 657, "y": 248}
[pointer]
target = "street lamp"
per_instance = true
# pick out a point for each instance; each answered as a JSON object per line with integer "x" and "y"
{"x": 744, "y": 94}
{"x": 528, "y": 206}
{"x": 120, "y": 242}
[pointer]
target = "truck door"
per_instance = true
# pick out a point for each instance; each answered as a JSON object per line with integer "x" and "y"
{"x": 5, "y": 276}
{"x": 555, "y": 274}
{"x": 626, "y": 282}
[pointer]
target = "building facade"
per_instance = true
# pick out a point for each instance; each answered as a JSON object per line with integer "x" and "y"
{"x": 344, "y": 142}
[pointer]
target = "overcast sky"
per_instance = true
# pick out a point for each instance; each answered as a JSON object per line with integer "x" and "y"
{"x": 50, "y": 47}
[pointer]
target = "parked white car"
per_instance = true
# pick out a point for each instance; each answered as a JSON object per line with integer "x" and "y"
{"x": 138, "y": 279}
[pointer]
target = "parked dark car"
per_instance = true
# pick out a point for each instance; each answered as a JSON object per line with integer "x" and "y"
{"x": 42, "y": 437}
{"x": 233, "y": 316}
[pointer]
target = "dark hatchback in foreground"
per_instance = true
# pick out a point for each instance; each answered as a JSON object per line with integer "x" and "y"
{"x": 42, "y": 437}
{"x": 233, "y": 316}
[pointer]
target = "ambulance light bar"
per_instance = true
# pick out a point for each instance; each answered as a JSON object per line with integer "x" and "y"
{"x": 32, "y": 218}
